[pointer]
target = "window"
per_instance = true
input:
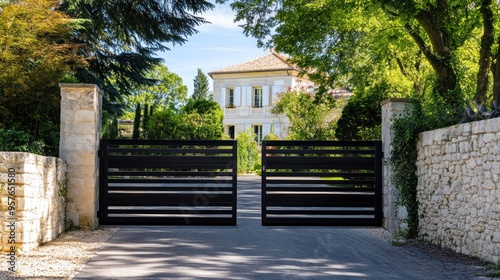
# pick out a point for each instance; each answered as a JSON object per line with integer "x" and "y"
{"x": 257, "y": 129}
{"x": 230, "y": 131}
{"x": 257, "y": 98}
{"x": 230, "y": 102}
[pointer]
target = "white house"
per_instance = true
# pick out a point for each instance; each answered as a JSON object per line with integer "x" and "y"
{"x": 246, "y": 92}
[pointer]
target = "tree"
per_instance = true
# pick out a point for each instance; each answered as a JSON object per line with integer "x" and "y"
{"x": 311, "y": 115}
{"x": 361, "y": 114}
{"x": 248, "y": 153}
{"x": 35, "y": 54}
{"x": 122, "y": 38}
{"x": 168, "y": 91}
{"x": 197, "y": 120}
{"x": 137, "y": 122}
{"x": 201, "y": 86}
{"x": 385, "y": 31}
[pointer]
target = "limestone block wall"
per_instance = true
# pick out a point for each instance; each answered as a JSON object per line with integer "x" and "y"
{"x": 33, "y": 200}
{"x": 459, "y": 188}
{"x": 78, "y": 147}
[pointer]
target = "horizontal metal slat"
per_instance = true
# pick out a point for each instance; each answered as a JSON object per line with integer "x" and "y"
{"x": 149, "y": 188}
{"x": 320, "y": 200}
{"x": 175, "y": 212}
{"x": 320, "y": 212}
{"x": 319, "y": 189}
{"x": 170, "y": 221}
{"x": 182, "y": 151}
{"x": 168, "y": 181}
{"x": 189, "y": 173}
{"x": 321, "y": 174}
{"x": 320, "y": 222}
{"x": 159, "y": 199}
{"x": 194, "y": 162}
{"x": 321, "y": 182}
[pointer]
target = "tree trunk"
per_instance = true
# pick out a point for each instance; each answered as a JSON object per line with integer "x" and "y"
{"x": 484, "y": 53}
{"x": 496, "y": 75}
{"x": 440, "y": 57}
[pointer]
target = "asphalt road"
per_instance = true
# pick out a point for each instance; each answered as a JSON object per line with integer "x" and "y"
{"x": 250, "y": 251}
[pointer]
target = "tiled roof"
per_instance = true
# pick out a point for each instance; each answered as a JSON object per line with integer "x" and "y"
{"x": 269, "y": 62}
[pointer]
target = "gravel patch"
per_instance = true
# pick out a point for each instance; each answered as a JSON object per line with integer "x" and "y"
{"x": 60, "y": 258}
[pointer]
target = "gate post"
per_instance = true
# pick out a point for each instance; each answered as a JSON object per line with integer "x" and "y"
{"x": 394, "y": 214}
{"x": 78, "y": 147}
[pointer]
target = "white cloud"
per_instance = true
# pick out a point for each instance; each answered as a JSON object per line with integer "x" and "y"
{"x": 221, "y": 17}
{"x": 224, "y": 49}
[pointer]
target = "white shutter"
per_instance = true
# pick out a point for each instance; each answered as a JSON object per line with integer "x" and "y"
{"x": 249, "y": 96}
{"x": 222, "y": 101}
{"x": 275, "y": 91}
{"x": 277, "y": 129}
{"x": 266, "y": 129}
{"x": 265, "y": 97}
{"x": 237, "y": 93}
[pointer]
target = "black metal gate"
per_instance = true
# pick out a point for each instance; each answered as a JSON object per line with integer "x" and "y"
{"x": 322, "y": 183}
{"x": 149, "y": 182}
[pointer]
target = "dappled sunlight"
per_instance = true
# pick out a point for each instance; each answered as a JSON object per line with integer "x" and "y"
{"x": 251, "y": 251}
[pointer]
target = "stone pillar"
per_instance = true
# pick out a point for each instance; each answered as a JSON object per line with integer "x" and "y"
{"x": 394, "y": 215}
{"x": 79, "y": 145}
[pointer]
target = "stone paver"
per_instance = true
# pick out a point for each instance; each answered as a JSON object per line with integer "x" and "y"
{"x": 250, "y": 251}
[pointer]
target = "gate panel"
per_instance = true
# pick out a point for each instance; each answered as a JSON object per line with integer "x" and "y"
{"x": 322, "y": 183}
{"x": 152, "y": 182}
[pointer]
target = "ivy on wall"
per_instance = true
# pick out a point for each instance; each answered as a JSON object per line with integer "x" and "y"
{"x": 418, "y": 118}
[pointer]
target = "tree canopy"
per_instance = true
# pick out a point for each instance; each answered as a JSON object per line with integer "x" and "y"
{"x": 447, "y": 44}
{"x": 167, "y": 91}
{"x": 311, "y": 115}
{"x": 36, "y": 52}
{"x": 199, "y": 119}
{"x": 122, "y": 38}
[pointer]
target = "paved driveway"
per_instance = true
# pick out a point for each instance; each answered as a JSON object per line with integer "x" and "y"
{"x": 250, "y": 251}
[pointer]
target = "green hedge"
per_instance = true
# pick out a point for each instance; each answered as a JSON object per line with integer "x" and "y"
{"x": 19, "y": 141}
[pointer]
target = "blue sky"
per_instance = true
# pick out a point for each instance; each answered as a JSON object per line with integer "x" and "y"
{"x": 217, "y": 45}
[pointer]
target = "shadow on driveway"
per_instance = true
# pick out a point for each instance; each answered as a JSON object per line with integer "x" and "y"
{"x": 250, "y": 251}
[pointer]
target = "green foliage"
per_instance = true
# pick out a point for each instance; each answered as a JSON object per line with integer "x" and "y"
{"x": 167, "y": 91}
{"x": 19, "y": 141}
{"x": 201, "y": 86}
{"x": 198, "y": 119}
{"x": 122, "y": 38}
{"x": 443, "y": 48}
{"x": 403, "y": 157}
{"x": 137, "y": 122}
{"x": 109, "y": 126}
{"x": 71, "y": 226}
{"x": 362, "y": 116}
{"x": 311, "y": 115}
{"x": 164, "y": 124}
{"x": 248, "y": 153}
{"x": 36, "y": 52}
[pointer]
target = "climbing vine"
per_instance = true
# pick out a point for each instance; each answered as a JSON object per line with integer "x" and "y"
{"x": 419, "y": 117}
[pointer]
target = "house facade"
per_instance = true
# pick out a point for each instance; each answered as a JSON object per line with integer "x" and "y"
{"x": 247, "y": 91}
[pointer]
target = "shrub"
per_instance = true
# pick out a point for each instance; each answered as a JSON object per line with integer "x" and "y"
{"x": 248, "y": 153}
{"x": 19, "y": 141}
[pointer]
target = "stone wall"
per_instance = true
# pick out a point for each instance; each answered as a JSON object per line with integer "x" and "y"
{"x": 34, "y": 188}
{"x": 459, "y": 188}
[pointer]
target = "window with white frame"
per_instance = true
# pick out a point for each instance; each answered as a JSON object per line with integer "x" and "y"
{"x": 230, "y": 98}
{"x": 257, "y": 98}
{"x": 257, "y": 129}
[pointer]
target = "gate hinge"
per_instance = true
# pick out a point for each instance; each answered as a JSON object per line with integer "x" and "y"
{"x": 99, "y": 214}
{"x": 99, "y": 153}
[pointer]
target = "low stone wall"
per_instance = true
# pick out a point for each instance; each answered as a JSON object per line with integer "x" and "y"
{"x": 459, "y": 188}
{"x": 33, "y": 190}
